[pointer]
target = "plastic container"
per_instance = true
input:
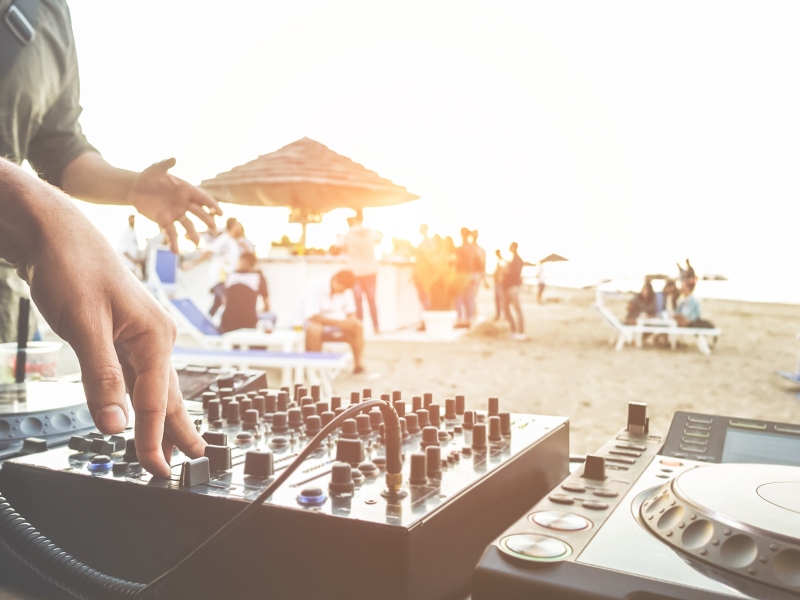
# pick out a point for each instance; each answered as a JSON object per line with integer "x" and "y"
{"x": 41, "y": 363}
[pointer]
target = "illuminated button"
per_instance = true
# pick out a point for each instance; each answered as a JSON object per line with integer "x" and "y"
{"x": 559, "y": 520}
{"x": 562, "y": 499}
{"x": 698, "y": 427}
{"x": 693, "y": 449}
{"x": 696, "y": 434}
{"x": 573, "y": 487}
{"x": 696, "y": 442}
{"x": 603, "y": 493}
{"x": 785, "y": 429}
{"x": 594, "y": 505}
{"x": 312, "y": 496}
{"x": 748, "y": 425}
{"x": 671, "y": 463}
{"x": 703, "y": 420}
{"x": 101, "y": 464}
{"x": 531, "y": 546}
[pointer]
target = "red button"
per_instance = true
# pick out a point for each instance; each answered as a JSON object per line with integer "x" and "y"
{"x": 672, "y": 463}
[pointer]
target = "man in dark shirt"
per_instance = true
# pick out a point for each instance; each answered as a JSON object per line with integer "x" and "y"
{"x": 512, "y": 284}
{"x": 118, "y": 331}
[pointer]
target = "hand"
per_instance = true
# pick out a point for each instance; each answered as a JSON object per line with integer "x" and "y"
{"x": 92, "y": 301}
{"x": 164, "y": 198}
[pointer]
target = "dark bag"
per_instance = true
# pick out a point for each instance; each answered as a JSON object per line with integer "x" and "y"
{"x": 701, "y": 324}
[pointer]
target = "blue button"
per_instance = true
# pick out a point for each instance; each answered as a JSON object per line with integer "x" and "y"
{"x": 312, "y": 496}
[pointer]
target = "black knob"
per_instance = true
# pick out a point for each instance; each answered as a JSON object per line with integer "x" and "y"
{"x": 350, "y": 429}
{"x": 252, "y": 394}
{"x": 375, "y": 419}
{"x": 396, "y": 395}
{"x": 336, "y": 402}
{"x": 433, "y": 455}
{"x": 416, "y": 403}
{"x": 207, "y": 397}
{"x": 419, "y": 469}
{"x": 313, "y": 425}
{"x": 225, "y": 381}
{"x": 341, "y": 479}
{"x": 386, "y": 397}
{"x": 245, "y": 404}
{"x": 494, "y": 407}
{"x": 280, "y": 422}
{"x": 368, "y": 468}
{"x": 350, "y": 451}
{"x": 427, "y": 398}
{"x": 251, "y": 419}
{"x": 219, "y": 457}
{"x": 355, "y": 398}
{"x": 403, "y": 427}
{"x": 321, "y": 407}
{"x": 339, "y": 410}
{"x": 225, "y": 390}
{"x": 283, "y": 402}
{"x": 469, "y": 420}
{"x": 494, "y": 430}
{"x": 595, "y": 467}
{"x": 195, "y": 472}
{"x": 295, "y": 418}
{"x": 225, "y": 402}
{"x": 460, "y": 404}
{"x": 216, "y": 438}
{"x": 315, "y": 393}
{"x": 214, "y": 410}
{"x": 366, "y": 394}
{"x": 299, "y": 393}
{"x": 505, "y": 424}
{"x": 305, "y": 400}
{"x": 423, "y": 416}
{"x": 412, "y": 423}
{"x": 260, "y": 404}
{"x": 430, "y": 437}
{"x": 270, "y": 404}
{"x": 444, "y": 436}
{"x": 233, "y": 412}
{"x": 130, "y": 451}
{"x": 327, "y": 417}
{"x": 286, "y": 388}
{"x": 363, "y": 425}
{"x": 399, "y": 408}
{"x": 450, "y": 409}
{"x": 259, "y": 463}
{"x": 479, "y": 437}
{"x": 435, "y": 414}
{"x": 307, "y": 410}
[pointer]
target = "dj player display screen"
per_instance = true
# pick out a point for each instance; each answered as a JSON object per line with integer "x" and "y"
{"x": 765, "y": 448}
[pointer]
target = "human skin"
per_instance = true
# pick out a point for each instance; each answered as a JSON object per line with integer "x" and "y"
{"x": 93, "y": 302}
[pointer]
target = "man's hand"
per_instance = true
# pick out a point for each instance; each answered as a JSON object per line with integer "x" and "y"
{"x": 164, "y": 199}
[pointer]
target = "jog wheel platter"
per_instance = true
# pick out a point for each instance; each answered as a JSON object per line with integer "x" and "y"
{"x": 742, "y": 521}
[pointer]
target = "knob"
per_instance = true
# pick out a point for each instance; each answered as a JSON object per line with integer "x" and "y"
{"x": 505, "y": 424}
{"x": 386, "y": 398}
{"x": 101, "y": 463}
{"x": 355, "y": 398}
{"x": 419, "y": 469}
{"x": 637, "y": 418}
{"x": 252, "y": 394}
{"x": 245, "y": 404}
{"x": 363, "y": 425}
{"x": 469, "y": 420}
{"x": 350, "y": 429}
{"x": 130, "y": 451}
{"x": 79, "y": 443}
{"x": 299, "y": 393}
{"x": 433, "y": 456}
{"x": 434, "y": 414}
{"x": 479, "y": 437}
{"x": 208, "y": 397}
{"x": 216, "y": 438}
{"x": 444, "y": 436}
{"x": 250, "y": 419}
{"x": 403, "y": 427}
{"x": 315, "y": 393}
{"x": 450, "y": 409}
{"x": 313, "y": 425}
{"x": 283, "y": 402}
{"x": 280, "y": 422}
{"x": 350, "y": 451}
{"x": 430, "y": 437}
{"x": 494, "y": 407}
{"x": 397, "y": 395}
{"x": 400, "y": 408}
{"x": 341, "y": 479}
{"x": 427, "y": 398}
{"x": 214, "y": 411}
{"x": 260, "y": 404}
{"x": 336, "y": 402}
{"x": 270, "y": 404}
{"x": 295, "y": 418}
{"x": 327, "y": 417}
{"x": 460, "y": 404}
{"x": 225, "y": 390}
{"x": 233, "y": 412}
{"x": 494, "y": 430}
{"x": 219, "y": 457}
{"x": 225, "y": 402}
{"x": 307, "y": 410}
{"x": 423, "y": 416}
{"x": 375, "y": 419}
{"x": 594, "y": 467}
{"x": 306, "y": 400}
{"x": 321, "y": 407}
{"x": 258, "y": 463}
{"x": 416, "y": 403}
{"x": 412, "y": 423}
{"x": 311, "y": 496}
{"x": 366, "y": 394}
{"x": 339, "y": 410}
{"x": 195, "y": 472}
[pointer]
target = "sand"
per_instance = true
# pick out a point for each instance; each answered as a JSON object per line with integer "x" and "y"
{"x": 567, "y": 367}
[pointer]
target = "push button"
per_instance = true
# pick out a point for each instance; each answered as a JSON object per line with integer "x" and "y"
{"x": 573, "y": 487}
{"x": 562, "y": 499}
{"x": 602, "y": 493}
{"x": 594, "y": 505}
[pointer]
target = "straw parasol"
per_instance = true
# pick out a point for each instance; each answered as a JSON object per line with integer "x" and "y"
{"x": 310, "y": 179}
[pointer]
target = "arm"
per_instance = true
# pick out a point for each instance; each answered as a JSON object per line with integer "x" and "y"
{"x": 97, "y": 306}
{"x": 159, "y": 196}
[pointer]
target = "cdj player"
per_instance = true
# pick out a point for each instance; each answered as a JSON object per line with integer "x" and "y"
{"x": 712, "y": 511}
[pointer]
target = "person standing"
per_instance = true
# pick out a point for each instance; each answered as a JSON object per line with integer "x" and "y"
{"x": 128, "y": 248}
{"x": 540, "y": 282}
{"x": 499, "y": 275}
{"x": 512, "y": 285}
{"x": 243, "y": 288}
{"x": 469, "y": 265}
{"x": 359, "y": 245}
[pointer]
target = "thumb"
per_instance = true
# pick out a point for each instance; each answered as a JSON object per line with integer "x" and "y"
{"x": 162, "y": 166}
{"x": 103, "y": 379}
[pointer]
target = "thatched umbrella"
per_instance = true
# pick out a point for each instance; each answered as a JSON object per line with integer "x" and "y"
{"x": 309, "y": 178}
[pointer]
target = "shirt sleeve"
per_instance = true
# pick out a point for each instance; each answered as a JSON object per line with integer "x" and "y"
{"x": 310, "y": 304}
{"x": 60, "y": 139}
{"x": 349, "y": 302}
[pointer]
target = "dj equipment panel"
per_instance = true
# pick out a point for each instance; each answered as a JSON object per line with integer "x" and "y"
{"x": 330, "y": 530}
{"x": 650, "y": 518}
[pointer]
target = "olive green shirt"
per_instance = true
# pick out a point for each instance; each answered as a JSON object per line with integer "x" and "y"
{"x": 39, "y": 110}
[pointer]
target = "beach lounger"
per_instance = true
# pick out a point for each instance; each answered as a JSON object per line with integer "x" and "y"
{"x": 793, "y": 377}
{"x": 322, "y": 367}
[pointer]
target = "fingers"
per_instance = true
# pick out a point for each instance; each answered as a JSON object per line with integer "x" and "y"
{"x": 162, "y": 166}
{"x": 203, "y": 215}
{"x": 179, "y": 426}
{"x": 191, "y": 232}
{"x": 202, "y": 198}
{"x": 172, "y": 236}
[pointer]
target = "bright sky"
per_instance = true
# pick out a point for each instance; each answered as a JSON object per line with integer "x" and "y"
{"x": 623, "y": 135}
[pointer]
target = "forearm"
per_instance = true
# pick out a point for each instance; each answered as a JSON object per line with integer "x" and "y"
{"x": 326, "y": 321}
{"x": 89, "y": 177}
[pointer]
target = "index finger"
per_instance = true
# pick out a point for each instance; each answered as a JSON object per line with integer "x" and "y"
{"x": 203, "y": 198}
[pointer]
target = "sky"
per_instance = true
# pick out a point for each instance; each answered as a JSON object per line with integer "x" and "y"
{"x": 622, "y": 135}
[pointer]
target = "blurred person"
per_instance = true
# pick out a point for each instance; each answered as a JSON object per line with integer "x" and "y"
{"x": 425, "y": 252}
{"x": 667, "y": 298}
{"x": 468, "y": 263}
{"x": 689, "y": 311}
{"x": 128, "y": 248}
{"x": 499, "y": 275}
{"x": 643, "y": 303}
{"x": 540, "y": 282}
{"x": 686, "y": 273}
{"x": 512, "y": 285}
{"x": 359, "y": 244}
{"x": 121, "y": 336}
{"x": 328, "y": 309}
{"x": 243, "y": 288}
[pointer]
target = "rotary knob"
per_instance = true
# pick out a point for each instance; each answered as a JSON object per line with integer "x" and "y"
{"x": 313, "y": 425}
{"x": 494, "y": 430}
{"x": 494, "y": 407}
{"x": 219, "y": 457}
{"x": 479, "y": 437}
{"x": 400, "y": 408}
{"x": 232, "y": 413}
{"x": 424, "y": 417}
{"x": 419, "y": 469}
{"x": 430, "y": 437}
{"x": 280, "y": 422}
{"x": 341, "y": 479}
{"x": 450, "y": 409}
{"x": 363, "y": 425}
{"x": 461, "y": 403}
{"x": 434, "y": 414}
{"x": 258, "y": 463}
{"x": 412, "y": 423}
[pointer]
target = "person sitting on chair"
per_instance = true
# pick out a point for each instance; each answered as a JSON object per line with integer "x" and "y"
{"x": 688, "y": 312}
{"x": 329, "y": 314}
{"x": 643, "y": 303}
{"x": 243, "y": 288}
